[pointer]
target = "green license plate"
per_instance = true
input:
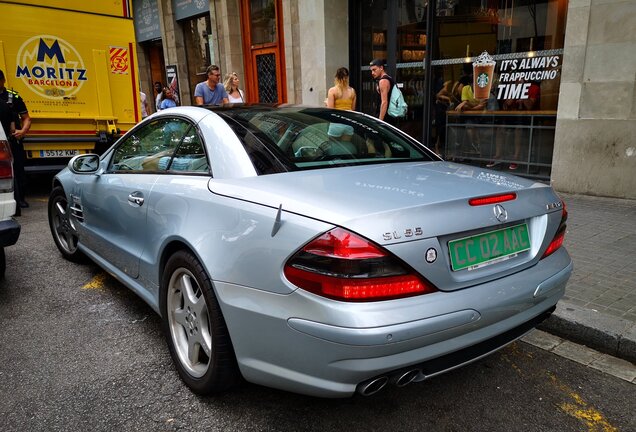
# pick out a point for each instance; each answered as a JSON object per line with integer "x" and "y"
{"x": 489, "y": 248}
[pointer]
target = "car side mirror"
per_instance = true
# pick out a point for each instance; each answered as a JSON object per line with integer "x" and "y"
{"x": 84, "y": 164}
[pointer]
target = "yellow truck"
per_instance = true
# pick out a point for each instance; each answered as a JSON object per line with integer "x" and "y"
{"x": 74, "y": 64}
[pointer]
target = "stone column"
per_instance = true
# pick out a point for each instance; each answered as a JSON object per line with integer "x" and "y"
{"x": 594, "y": 144}
{"x": 316, "y": 44}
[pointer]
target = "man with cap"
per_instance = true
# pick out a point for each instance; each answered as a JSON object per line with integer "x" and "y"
{"x": 384, "y": 85}
{"x": 17, "y": 131}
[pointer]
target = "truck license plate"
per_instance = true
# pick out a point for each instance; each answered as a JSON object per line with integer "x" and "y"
{"x": 58, "y": 153}
{"x": 488, "y": 248}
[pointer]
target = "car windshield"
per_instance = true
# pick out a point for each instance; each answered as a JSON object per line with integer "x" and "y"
{"x": 311, "y": 138}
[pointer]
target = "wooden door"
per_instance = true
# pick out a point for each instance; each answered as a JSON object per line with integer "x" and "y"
{"x": 263, "y": 51}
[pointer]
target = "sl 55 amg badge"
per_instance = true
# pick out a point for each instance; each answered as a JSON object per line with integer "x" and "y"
{"x": 409, "y": 232}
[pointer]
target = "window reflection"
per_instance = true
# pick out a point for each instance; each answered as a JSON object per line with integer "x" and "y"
{"x": 149, "y": 149}
{"x": 263, "y": 19}
{"x": 468, "y": 27}
{"x": 190, "y": 156}
{"x": 411, "y": 51}
{"x": 196, "y": 33}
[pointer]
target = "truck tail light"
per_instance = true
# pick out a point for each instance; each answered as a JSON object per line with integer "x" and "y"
{"x": 344, "y": 266}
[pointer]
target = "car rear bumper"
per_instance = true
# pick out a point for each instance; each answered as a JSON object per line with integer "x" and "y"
{"x": 308, "y": 347}
{"x": 9, "y": 232}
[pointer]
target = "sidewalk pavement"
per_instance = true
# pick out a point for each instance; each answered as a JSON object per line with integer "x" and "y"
{"x": 599, "y": 306}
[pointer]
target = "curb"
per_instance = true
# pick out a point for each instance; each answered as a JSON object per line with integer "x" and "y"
{"x": 604, "y": 333}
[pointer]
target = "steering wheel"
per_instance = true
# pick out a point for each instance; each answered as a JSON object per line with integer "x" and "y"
{"x": 334, "y": 147}
{"x": 309, "y": 152}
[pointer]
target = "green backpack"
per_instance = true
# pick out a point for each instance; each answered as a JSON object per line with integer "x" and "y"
{"x": 397, "y": 105}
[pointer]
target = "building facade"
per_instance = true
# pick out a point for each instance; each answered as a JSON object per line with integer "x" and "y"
{"x": 595, "y": 141}
{"x": 541, "y": 88}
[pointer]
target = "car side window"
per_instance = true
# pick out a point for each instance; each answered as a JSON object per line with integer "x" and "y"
{"x": 150, "y": 149}
{"x": 190, "y": 156}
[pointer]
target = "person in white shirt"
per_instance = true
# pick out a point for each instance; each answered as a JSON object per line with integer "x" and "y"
{"x": 159, "y": 91}
{"x": 231, "y": 84}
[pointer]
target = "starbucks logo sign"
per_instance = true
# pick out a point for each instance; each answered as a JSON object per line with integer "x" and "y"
{"x": 482, "y": 80}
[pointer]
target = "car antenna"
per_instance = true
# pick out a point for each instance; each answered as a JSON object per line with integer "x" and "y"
{"x": 276, "y": 226}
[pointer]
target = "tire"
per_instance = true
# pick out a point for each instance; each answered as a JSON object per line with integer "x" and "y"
{"x": 63, "y": 226}
{"x": 194, "y": 327}
{"x": 3, "y": 263}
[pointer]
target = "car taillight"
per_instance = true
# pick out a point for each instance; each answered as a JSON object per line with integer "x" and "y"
{"x": 557, "y": 241}
{"x": 344, "y": 266}
{"x": 6, "y": 167}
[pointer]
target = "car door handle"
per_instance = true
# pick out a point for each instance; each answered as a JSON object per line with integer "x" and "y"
{"x": 137, "y": 200}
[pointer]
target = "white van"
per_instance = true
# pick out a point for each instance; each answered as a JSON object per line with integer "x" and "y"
{"x": 9, "y": 227}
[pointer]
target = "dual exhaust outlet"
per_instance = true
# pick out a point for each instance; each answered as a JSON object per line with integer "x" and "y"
{"x": 399, "y": 379}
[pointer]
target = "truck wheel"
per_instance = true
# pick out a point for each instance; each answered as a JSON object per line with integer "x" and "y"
{"x": 194, "y": 327}
{"x": 3, "y": 263}
{"x": 63, "y": 227}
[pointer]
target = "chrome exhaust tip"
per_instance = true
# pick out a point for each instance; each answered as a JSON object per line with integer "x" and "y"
{"x": 403, "y": 378}
{"x": 372, "y": 386}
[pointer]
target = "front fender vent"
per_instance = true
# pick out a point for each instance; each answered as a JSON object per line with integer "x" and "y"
{"x": 77, "y": 212}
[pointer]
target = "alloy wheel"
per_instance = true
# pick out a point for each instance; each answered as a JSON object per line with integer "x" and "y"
{"x": 63, "y": 227}
{"x": 189, "y": 322}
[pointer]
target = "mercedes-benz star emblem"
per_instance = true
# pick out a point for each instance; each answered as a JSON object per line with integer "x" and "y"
{"x": 500, "y": 213}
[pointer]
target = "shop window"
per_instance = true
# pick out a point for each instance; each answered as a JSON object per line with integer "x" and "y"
{"x": 196, "y": 33}
{"x": 401, "y": 42}
{"x": 499, "y": 109}
{"x": 373, "y": 44}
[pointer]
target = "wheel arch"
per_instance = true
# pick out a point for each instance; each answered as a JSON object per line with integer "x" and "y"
{"x": 172, "y": 247}
{"x": 57, "y": 183}
{"x": 169, "y": 249}
{"x": 226, "y": 358}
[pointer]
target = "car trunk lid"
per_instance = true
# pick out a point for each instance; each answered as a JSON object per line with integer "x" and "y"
{"x": 393, "y": 198}
{"x": 429, "y": 203}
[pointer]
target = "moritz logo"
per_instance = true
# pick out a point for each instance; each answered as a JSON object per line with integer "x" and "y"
{"x": 50, "y": 67}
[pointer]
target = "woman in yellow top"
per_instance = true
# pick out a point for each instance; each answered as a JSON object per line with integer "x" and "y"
{"x": 469, "y": 103}
{"x": 341, "y": 96}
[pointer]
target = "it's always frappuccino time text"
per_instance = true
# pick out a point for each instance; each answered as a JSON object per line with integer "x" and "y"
{"x": 515, "y": 75}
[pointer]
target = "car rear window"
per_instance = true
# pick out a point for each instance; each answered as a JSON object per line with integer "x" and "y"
{"x": 313, "y": 138}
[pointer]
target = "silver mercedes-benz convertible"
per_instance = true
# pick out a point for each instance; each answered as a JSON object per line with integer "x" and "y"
{"x": 317, "y": 251}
